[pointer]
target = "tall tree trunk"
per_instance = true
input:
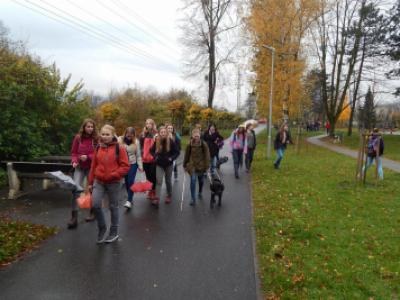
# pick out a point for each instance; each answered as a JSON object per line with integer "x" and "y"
{"x": 356, "y": 88}
{"x": 212, "y": 74}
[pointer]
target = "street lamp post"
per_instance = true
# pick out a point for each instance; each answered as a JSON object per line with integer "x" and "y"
{"x": 272, "y": 49}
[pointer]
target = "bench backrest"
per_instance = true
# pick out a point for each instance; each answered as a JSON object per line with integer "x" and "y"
{"x": 39, "y": 167}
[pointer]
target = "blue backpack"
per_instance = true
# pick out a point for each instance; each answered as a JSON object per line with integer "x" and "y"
{"x": 371, "y": 146}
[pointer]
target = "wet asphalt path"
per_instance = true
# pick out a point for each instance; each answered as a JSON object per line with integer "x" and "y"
{"x": 165, "y": 253}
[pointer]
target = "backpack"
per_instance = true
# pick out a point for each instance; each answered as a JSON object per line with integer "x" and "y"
{"x": 371, "y": 146}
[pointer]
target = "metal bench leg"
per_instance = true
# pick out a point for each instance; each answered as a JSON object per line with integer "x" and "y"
{"x": 13, "y": 182}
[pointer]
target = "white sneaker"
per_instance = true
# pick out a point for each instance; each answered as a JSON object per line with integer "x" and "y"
{"x": 128, "y": 204}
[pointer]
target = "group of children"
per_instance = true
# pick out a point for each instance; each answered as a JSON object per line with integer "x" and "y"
{"x": 105, "y": 159}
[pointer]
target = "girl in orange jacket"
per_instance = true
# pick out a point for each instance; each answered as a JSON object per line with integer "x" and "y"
{"x": 109, "y": 165}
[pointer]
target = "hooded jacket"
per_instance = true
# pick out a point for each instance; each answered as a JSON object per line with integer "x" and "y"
{"x": 164, "y": 158}
{"x": 82, "y": 146}
{"x": 197, "y": 158}
{"x": 212, "y": 142}
{"x": 105, "y": 166}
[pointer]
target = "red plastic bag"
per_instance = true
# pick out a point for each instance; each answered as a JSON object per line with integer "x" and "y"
{"x": 141, "y": 186}
{"x": 85, "y": 200}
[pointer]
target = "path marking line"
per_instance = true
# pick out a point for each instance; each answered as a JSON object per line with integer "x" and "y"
{"x": 183, "y": 189}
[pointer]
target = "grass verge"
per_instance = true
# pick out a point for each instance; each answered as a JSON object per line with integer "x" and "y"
{"x": 321, "y": 236}
{"x": 18, "y": 238}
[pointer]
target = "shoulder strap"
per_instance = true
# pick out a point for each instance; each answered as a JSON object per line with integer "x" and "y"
{"x": 117, "y": 152}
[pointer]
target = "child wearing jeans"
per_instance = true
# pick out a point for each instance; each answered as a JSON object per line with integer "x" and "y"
{"x": 109, "y": 165}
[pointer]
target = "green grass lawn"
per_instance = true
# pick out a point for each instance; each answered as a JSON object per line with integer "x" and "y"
{"x": 17, "y": 238}
{"x": 321, "y": 236}
{"x": 392, "y": 144}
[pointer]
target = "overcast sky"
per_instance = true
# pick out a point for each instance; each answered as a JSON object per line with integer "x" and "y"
{"x": 117, "y": 43}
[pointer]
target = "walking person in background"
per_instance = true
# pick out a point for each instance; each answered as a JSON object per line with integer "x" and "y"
{"x": 327, "y": 127}
{"x": 177, "y": 140}
{"x": 82, "y": 149}
{"x": 251, "y": 145}
{"x": 196, "y": 162}
{"x": 146, "y": 142}
{"x": 110, "y": 164}
{"x": 132, "y": 146}
{"x": 281, "y": 140}
{"x": 213, "y": 140}
{"x": 238, "y": 142}
{"x": 375, "y": 147}
{"x": 164, "y": 152}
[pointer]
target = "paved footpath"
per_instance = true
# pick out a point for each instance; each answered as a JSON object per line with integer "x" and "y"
{"x": 165, "y": 253}
{"x": 386, "y": 163}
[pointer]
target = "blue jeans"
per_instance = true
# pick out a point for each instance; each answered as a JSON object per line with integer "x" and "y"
{"x": 370, "y": 160}
{"x": 193, "y": 178}
{"x": 280, "y": 151}
{"x": 213, "y": 163}
{"x": 237, "y": 160}
{"x": 130, "y": 179}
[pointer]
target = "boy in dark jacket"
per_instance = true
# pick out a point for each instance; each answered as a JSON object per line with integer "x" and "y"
{"x": 251, "y": 145}
{"x": 281, "y": 140}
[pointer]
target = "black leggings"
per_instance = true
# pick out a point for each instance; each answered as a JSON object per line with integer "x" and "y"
{"x": 150, "y": 171}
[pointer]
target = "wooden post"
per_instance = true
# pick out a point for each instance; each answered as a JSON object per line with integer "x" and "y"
{"x": 366, "y": 157}
{"x": 13, "y": 181}
{"x": 359, "y": 158}
{"x": 298, "y": 139}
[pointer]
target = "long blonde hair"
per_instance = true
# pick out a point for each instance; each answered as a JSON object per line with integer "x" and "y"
{"x": 154, "y": 127}
{"x": 163, "y": 144}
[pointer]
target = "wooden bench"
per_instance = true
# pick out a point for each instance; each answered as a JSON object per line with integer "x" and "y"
{"x": 18, "y": 171}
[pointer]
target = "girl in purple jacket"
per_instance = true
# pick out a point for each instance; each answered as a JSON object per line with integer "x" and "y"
{"x": 82, "y": 150}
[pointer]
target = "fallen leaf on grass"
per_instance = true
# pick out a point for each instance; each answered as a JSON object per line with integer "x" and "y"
{"x": 298, "y": 278}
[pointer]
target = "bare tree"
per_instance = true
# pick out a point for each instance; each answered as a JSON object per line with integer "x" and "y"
{"x": 332, "y": 42}
{"x": 371, "y": 31}
{"x": 205, "y": 26}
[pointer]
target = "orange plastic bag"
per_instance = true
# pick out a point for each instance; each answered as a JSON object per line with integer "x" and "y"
{"x": 85, "y": 200}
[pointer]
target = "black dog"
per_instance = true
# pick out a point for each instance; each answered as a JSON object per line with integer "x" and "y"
{"x": 217, "y": 188}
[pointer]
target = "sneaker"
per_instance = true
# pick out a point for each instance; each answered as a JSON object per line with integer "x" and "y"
{"x": 200, "y": 196}
{"x": 128, "y": 204}
{"x": 192, "y": 203}
{"x": 236, "y": 176}
{"x": 168, "y": 199}
{"x": 101, "y": 235}
{"x": 112, "y": 238}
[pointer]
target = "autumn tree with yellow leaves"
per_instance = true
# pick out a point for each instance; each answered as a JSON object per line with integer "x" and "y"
{"x": 281, "y": 24}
